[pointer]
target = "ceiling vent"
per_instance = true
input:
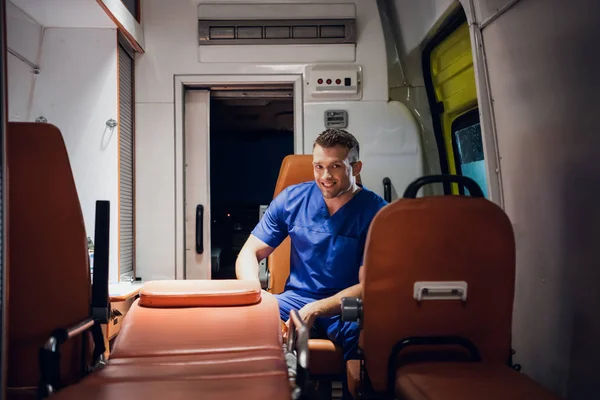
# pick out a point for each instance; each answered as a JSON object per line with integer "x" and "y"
{"x": 277, "y": 31}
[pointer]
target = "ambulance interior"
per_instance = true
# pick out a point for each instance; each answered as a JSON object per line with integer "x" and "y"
{"x": 142, "y": 141}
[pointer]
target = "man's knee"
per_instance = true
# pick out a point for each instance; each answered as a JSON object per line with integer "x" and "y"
{"x": 345, "y": 335}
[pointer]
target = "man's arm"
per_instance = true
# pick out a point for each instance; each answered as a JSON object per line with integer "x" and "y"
{"x": 254, "y": 251}
{"x": 331, "y": 305}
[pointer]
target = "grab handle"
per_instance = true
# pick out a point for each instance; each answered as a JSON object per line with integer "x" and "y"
{"x": 199, "y": 229}
{"x": 412, "y": 189}
{"x": 440, "y": 291}
{"x": 387, "y": 189}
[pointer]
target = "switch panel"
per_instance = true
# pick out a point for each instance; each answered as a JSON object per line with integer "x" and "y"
{"x": 334, "y": 82}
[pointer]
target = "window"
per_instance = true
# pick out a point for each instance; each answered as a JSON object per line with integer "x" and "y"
{"x": 468, "y": 149}
{"x": 126, "y": 162}
{"x": 134, "y": 8}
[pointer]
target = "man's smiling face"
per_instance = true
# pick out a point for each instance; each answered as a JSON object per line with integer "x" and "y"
{"x": 332, "y": 170}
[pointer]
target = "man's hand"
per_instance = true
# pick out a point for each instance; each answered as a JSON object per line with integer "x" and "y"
{"x": 308, "y": 314}
{"x": 326, "y": 307}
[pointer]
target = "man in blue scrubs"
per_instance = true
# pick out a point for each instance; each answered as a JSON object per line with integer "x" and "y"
{"x": 327, "y": 220}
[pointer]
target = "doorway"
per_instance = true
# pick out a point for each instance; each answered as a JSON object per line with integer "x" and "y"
{"x": 234, "y": 137}
{"x": 251, "y": 131}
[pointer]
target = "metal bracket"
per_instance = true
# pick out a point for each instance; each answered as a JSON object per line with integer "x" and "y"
{"x": 111, "y": 123}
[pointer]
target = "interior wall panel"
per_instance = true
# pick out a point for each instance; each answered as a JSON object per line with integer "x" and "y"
{"x": 544, "y": 81}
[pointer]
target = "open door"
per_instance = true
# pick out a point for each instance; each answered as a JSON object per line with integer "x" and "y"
{"x": 197, "y": 185}
{"x": 452, "y": 94}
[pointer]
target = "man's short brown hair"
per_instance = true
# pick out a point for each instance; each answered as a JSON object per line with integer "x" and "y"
{"x": 339, "y": 137}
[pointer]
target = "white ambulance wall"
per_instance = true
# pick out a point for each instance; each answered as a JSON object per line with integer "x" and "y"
{"x": 170, "y": 33}
{"x": 77, "y": 91}
{"x": 543, "y": 75}
{"x": 24, "y": 36}
{"x": 417, "y": 18}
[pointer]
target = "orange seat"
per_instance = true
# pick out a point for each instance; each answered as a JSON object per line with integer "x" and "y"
{"x": 327, "y": 359}
{"x": 447, "y": 264}
{"x": 459, "y": 381}
{"x": 49, "y": 276}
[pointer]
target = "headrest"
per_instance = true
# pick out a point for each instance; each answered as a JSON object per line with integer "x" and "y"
{"x": 200, "y": 293}
{"x": 296, "y": 168}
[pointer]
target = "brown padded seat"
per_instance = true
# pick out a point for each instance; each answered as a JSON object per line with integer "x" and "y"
{"x": 325, "y": 357}
{"x": 48, "y": 254}
{"x": 199, "y": 293}
{"x": 433, "y": 240}
{"x": 295, "y": 169}
{"x": 460, "y": 381}
{"x": 441, "y": 238}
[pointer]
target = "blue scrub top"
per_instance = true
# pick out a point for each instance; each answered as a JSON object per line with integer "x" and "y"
{"x": 327, "y": 251}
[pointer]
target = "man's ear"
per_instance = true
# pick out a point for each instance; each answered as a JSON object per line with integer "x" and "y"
{"x": 356, "y": 168}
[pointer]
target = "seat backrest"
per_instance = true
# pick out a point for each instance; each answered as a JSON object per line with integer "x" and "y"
{"x": 437, "y": 239}
{"x": 295, "y": 169}
{"x": 49, "y": 275}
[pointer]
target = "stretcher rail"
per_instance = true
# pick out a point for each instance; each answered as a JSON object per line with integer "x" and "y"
{"x": 297, "y": 355}
{"x": 49, "y": 354}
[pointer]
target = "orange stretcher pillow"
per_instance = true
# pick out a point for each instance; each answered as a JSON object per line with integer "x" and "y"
{"x": 200, "y": 293}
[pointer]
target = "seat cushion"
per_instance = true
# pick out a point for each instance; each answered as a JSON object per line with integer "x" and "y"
{"x": 200, "y": 293}
{"x": 325, "y": 357}
{"x": 152, "y": 332}
{"x": 204, "y": 366}
{"x": 272, "y": 386}
{"x": 465, "y": 381}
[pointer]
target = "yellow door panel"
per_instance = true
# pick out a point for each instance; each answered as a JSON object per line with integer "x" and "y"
{"x": 453, "y": 80}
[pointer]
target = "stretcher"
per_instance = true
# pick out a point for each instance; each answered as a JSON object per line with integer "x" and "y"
{"x": 213, "y": 339}
{"x": 437, "y": 302}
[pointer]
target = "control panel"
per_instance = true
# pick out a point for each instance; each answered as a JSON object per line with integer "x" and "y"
{"x": 334, "y": 82}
